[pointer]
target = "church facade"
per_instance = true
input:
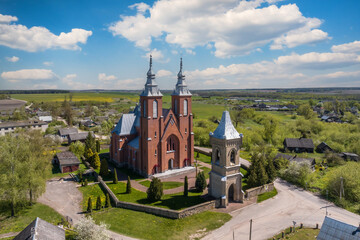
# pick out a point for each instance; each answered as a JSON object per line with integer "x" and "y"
{"x": 152, "y": 139}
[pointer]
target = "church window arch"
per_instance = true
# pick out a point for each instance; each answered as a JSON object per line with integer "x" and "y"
{"x": 217, "y": 156}
{"x": 155, "y": 109}
{"x": 232, "y": 156}
{"x": 175, "y": 106}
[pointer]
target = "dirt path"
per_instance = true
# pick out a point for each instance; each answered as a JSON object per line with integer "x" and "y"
{"x": 65, "y": 198}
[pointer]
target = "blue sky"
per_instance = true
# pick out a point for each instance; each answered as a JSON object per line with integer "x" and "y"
{"x": 228, "y": 44}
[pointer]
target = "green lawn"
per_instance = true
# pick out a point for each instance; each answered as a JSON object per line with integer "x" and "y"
{"x": 92, "y": 191}
{"x": 267, "y": 195}
{"x": 206, "y": 171}
{"x": 133, "y": 175}
{"x": 105, "y": 150}
{"x": 300, "y": 234}
{"x": 171, "y": 201}
{"x": 146, "y": 226}
{"x": 202, "y": 157}
{"x": 166, "y": 185}
{"x": 26, "y": 216}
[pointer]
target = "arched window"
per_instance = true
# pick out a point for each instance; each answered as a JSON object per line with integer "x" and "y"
{"x": 185, "y": 107}
{"x": 217, "y": 156}
{"x": 155, "y": 109}
{"x": 144, "y": 108}
{"x": 175, "y": 106}
{"x": 232, "y": 157}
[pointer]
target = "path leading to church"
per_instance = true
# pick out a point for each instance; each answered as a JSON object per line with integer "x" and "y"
{"x": 273, "y": 215}
{"x": 65, "y": 198}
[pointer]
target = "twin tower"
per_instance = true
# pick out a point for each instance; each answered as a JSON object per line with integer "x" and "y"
{"x": 153, "y": 139}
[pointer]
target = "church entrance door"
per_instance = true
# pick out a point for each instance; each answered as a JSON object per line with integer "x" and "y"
{"x": 231, "y": 193}
{"x": 171, "y": 164}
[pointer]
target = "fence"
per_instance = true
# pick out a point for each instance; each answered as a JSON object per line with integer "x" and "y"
{"x": 253, "y": 192}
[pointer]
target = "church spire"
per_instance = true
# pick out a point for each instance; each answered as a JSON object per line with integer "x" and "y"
{"x": 181, "y": 87}
{"x": 151, "y": 87}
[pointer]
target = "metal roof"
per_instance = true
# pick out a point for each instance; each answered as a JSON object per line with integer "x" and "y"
{"x": 67, "y": 158}
{"x": 41, "y": 230}
{"x": 151, "y": 87}
{"x": 134, "y": 143}
{"x": 22, "y": 123}
{"x": 226, "y": 129}
{"x": 335, "y": 230}
{"x": 126, "y": 125}
{"x": 67, "y": 131}
{"x": 299, "y": 142}
{"x": 181, "y": 87}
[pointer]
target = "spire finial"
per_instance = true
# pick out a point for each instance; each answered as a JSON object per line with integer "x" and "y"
{"x": 181, "y": 64}
{"x": 150, "y": 61}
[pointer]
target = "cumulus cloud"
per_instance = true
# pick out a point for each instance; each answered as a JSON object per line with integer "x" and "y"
{"x": 48, "y": 63}
{"x": 232, "y": 27}
{"x": 102, "y": 77}
{"x": 29, "y": 75}
{"x": 156, "y": 54}
{"x": 12, "y": 59}
{"x": 352, "y": 47}
{"x": 163, "y": 73}
{"x": 36, "y": 38}
{"x": 140, "y": 7}
{"x": 70, "y": 81}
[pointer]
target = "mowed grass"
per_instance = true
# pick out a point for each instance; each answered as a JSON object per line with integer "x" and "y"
{"x": 146, "y": 226}
{"x": 166, "y": 185}
{"x": 92, "y": 191}
{"x": 77, "y": 96}
{"x": 25, "y": 216}
{"x": 267, "y": 195}
{"x": 300, "y": 234}
{"x": 202, "y": 157}
{"x": 170, "y": 201}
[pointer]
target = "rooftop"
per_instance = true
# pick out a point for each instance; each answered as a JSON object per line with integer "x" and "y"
{"x": 334, "y": 230}
{"x": 78, "y": 136}
{"x": 226, "y": 129}
{"x": 22, "y": 123}
{"x": 67, "y": 131}
{"x": 126, "y": 125}
{"x": 67, "y": 158}
{"x": 299, "y": 142}
{"x": 41, "y": 230}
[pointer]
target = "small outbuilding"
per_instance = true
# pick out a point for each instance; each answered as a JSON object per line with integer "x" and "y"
{"x": 349, "y": 156}
{"x": 67, "y": 162}
{"x": 299, "y": 145}
{"x": 41, "y": 230}
{"x": 323, "y": 147}
{"x": 78, "y": 137}
{"x": 65, "y": 132}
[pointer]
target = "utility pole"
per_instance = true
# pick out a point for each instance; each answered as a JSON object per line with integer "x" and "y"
{"x": 250, "y": 229}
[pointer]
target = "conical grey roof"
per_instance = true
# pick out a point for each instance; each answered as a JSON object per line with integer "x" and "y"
{"x": 226, "y": 129}
{"x": 181, "y": 87}
{"x": 151, "y": 87}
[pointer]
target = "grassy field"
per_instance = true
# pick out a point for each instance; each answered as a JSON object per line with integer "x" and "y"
{"x": 166, "y": 185}
{"x": 300, "y": 234}
{"x": 27, "y": 215}
{"x": 267, "y": 195}
{"x": 146, "y": 226}
{"x": 171, "y": 201}
{"x": 202, "y": 157}
{"x": 92, "y": 191}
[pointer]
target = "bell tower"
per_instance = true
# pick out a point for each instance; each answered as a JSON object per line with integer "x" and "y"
{"x": 225, "y": 175}
{"x": 151, "y": 111}
{"x": 181, "y": 106}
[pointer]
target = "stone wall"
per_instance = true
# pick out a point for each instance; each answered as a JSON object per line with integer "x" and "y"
{"x": 253, "y": 192}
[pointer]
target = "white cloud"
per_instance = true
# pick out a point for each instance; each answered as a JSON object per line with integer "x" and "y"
{"x": 163, "y": 73}
{"x": 29, "y": 74}
{"x": 70, "y": 81}
{"x": 48, "y": 63}
{"x": 102, "y": 77}
{"x": 140, "y": 7}
{"x": 352, "y": 47}
{"x": 156, "y": 54}
{"x": 7, "y": 18}
{"x": 12, "y": 59}
{"x": 174, "y": 52}
{"x": 232, "y": 27}
{"x": 317, "y": 60}
{"x": 36, "y": 38}
{"x": 191, "y": 52}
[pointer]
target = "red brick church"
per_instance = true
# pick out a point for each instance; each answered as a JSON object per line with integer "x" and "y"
{"x": 152, "y": 139}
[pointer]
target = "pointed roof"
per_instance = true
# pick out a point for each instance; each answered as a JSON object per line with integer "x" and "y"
{"x": 126, "y": 125}
{"x": 181, "y": 87}
{"x": 332, "y": 229}
{"x": 151, "y": 87}
{"x": 226, "y": 129}
{"x": 41, "y": 229}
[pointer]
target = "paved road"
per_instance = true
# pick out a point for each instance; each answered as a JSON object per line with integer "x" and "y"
{"x": 274, "y": 215}
{"x": 65, "y": 198}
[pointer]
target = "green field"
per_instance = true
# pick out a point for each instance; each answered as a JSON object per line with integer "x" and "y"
{"x": 267, "y": 195}
{"x": 300, "y": 234}
{"x": 146, "y": 226}
{"x": 166, "y": 185}
{"x": 26, "y": 216}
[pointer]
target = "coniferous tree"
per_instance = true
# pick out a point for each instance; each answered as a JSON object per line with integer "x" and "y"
{"x": 200, "y": 183}
{"x": 90, "y": 143}
{"x": 262, "y": 176}
{"x": 107, "y": 202}
{"x": 89, "y": 208}
{"x": 97, "y": 146}
{"x": 89, "y": 155}
{"x": 186, "y": 187}
{"x": 270, "y": 170}
{"x": 155, "y": 191}
{"x": 104, "y": 168}
{"x": 96, "y": 161}
{"x": 128, "y": 185}
{"x": 98, "y": 203}
{"x": 86, "y": 182}
{"x": 115, "y": 179}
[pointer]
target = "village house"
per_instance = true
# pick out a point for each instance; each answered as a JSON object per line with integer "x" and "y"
{"x": 9, "y": 127}
{"x": 41, "y": 230}
{"x": 299, "y": 160}
{"x": 65, "y": 132}
{"x": 67, "y": 161}
{"x": 73, "y": 137}
{"x": 349, "y": 156}
{"x": 323, "y": 147}
{"x": 299, "y": 145}
{"x": 152, "y": 139}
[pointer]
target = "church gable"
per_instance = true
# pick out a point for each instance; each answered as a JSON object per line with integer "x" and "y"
{"x": 171, "y": 126}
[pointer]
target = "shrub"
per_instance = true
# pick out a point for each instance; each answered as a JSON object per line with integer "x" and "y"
{"x": 86, "y": 182}
{"x": 200, "y": 183}
{"x": 96, "y": 161}
{"x": 97, "y": 145}
{"x": 128, "y": 185}
{"x": 104, "y": 168}
{"x": 155, "y": 191}
{"x": 89, "y": 208}
{"x": 115, "y": 178}
{"x": 334, "y": 159}
{"x": 98, "y": 203}
{"x": 107, "y": 201}
{"x": 186, "y": 187}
